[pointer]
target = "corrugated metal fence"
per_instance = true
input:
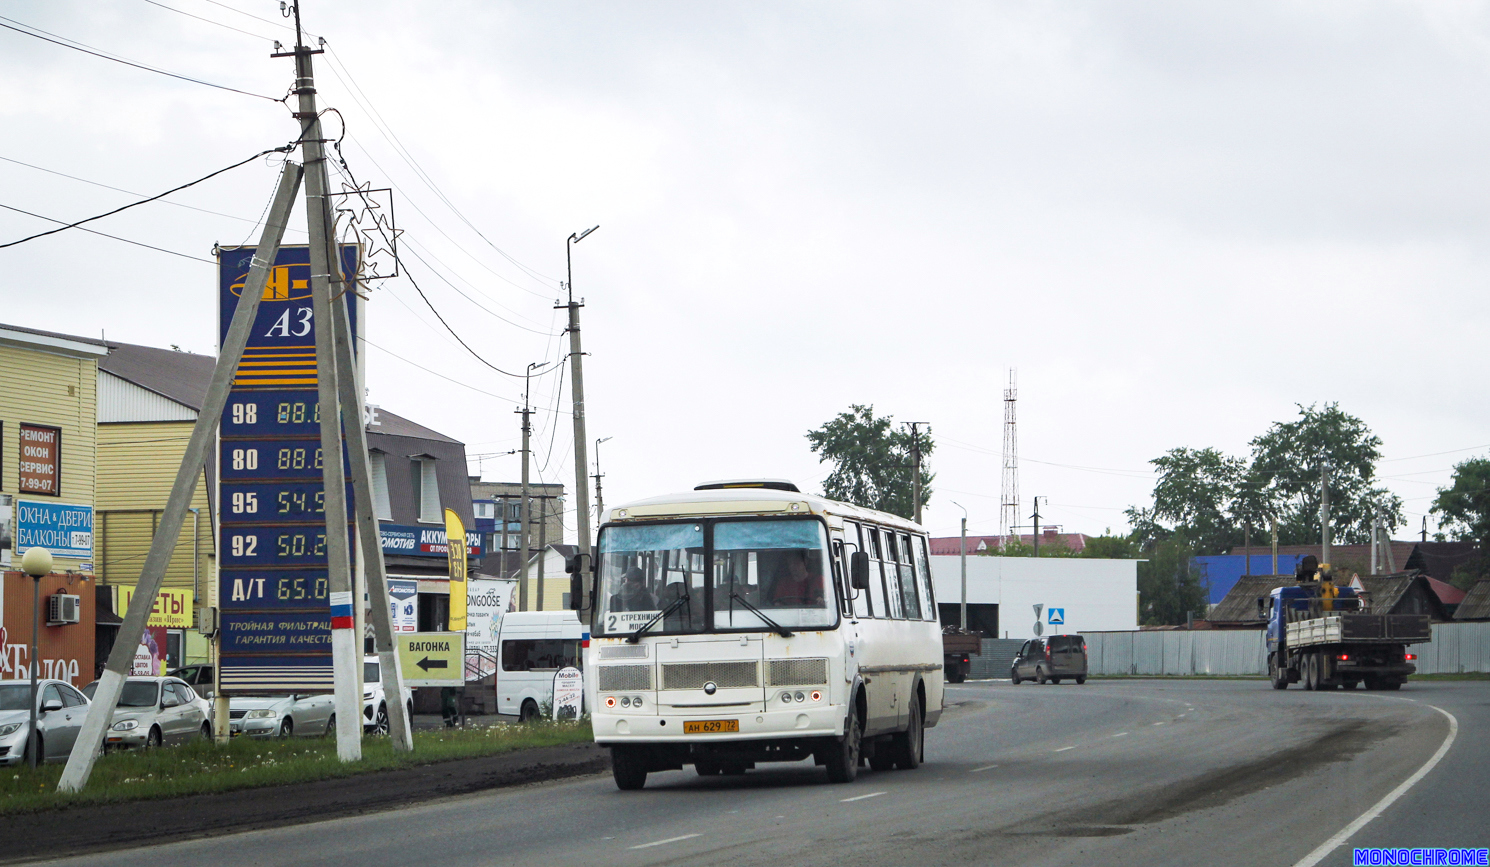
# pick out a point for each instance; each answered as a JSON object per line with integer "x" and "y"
{"x": 1456, "y": 648}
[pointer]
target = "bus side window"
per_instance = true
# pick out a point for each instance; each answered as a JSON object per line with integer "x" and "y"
{"x": 923, "y": 577}
{"x": 885, "y": 597}
{"x": 909, "y": 598}
{"x": 852, "y": 541}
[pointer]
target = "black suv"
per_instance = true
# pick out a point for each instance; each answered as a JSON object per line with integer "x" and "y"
{"x": 1048, "y": 660}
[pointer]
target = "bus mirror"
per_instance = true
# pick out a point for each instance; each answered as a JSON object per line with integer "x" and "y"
{"x": 574, "y": 565}
{"x": 859, "y": 570}
{"x": 576, "y": 590}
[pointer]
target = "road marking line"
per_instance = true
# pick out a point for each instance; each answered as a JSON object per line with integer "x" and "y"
{"x": 1159, "y": 723}
{"x": 1063, "y": 749}
{"x": 984, "y": 768}
{"x": 664, "y": 842}
{"x": 1345, "y": 833}
{"x": 1121, "y": 735}
{"x": 862, "y": 797}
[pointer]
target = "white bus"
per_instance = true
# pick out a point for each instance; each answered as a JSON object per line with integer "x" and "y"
{"x": 746, "y": 622}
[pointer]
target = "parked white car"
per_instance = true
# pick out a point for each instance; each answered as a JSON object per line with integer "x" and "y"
{"x": 265, "y": 716}
{"x": 374, "y": 705}
{"x": 60, "y": 712}
{"x": 533, "y": 646}
{"x": 154, "y": 711}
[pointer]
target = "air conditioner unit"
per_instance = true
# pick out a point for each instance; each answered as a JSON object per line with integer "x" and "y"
{"x": 62, "y": 608}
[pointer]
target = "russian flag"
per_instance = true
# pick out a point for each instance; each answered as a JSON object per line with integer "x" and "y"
{"x": 341, "y": 611}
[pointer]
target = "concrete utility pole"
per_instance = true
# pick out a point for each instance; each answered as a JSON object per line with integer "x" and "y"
{"x": 506, "y": 516}
{"x": 1274, "y": 523}
{"x": 543, "y": 507}
{"x": 963, "y": 617}
{"x": 89, "y": 743}
{"x": 346, "y": 649}
{"x": 916, "y": 469}
{"x": 1324, "y": 512}
{"x": 522, "y": 530}
{"x": 576, "y": 372}
{"x": 400, "y": 726}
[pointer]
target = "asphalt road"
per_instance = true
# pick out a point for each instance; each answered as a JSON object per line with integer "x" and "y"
{"x": 1111, "y": 772}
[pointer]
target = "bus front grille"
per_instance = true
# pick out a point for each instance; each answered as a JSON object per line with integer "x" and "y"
{"x": 615, "y": 678}
{"x": 725, "y": 675}
{"x": 798, "y": 672}
{"x": 623, "y": 651}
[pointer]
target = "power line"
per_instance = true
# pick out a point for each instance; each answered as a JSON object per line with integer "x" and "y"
{"x": 65, "y": 227}
{"x": 207, "y": 20}
{"x": 474, "y": 301}
{"x": 98, "y": 52}
{"x": 435, "y": 373}
{"x": 103, "y": 234}
{"x": 133, "y": 193}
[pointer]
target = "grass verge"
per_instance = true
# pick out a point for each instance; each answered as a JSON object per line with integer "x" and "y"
{"x": 203, "y": 767}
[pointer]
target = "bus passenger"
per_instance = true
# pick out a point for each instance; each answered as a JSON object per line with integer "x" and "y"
{"x": 798, "y": 582}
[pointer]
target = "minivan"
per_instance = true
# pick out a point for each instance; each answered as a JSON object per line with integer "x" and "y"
{"x": 532, "y": 647}
{"x": 1048, "y": 660}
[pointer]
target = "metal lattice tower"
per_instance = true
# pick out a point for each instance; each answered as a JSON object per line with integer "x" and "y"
{"x": 1009, "y": 493}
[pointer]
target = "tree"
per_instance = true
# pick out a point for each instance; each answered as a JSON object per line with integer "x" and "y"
{"x": 1463, "y": 508}
{"x": 1110, "y": 547}
{"x": 1286, "y": 474}
{"x": 1016, "y": 547}
{"x": 1169, "y": 588}
{"x": 871, "y": 461}
{"x": 1197, "y": 491}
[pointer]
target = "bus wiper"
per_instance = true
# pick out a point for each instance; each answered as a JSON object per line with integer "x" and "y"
{"x": 775, "y": 627}
{"x": 677, "y": 603}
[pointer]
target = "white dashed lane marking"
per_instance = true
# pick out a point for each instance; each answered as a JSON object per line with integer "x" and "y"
{"x": 984, "y": 768}
{"x": 862, "y": 797}
{"x": 665, "y": 842}
{"x": 1063, "y": 749}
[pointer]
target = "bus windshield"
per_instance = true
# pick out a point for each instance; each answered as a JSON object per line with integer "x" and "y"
{"x": 770, "y": 567}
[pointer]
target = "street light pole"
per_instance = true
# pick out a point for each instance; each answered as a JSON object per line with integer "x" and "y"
{"x": 964, "y": 566}
{"x": 599, "y": 498}
{"x": 36, "y": 563}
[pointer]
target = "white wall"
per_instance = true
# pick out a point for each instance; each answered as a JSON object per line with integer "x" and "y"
{"x": 1094, "y": 594}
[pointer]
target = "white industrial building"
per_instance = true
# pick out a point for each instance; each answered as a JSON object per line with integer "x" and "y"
{"x": 1071, "y": 594}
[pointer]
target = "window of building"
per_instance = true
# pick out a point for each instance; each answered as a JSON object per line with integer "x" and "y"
{"x": 382, "y": 505}
{"x": 426, "y": 490}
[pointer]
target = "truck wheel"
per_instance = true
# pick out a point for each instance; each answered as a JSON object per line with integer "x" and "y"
{"x": 1394, "y": 685}
{"x": 1040, "y": 676}
{"x": 1349, "y": 683}
{"x": 955, "y": 677}
{"x": 1080, "y": 679}
{"x": 1372, "y": 682}
{"x": 1014, "y": 677}
{"x": 1278, "y": 674}
{"x": 1311, "y": 671}
{"x": 628, "y": 764}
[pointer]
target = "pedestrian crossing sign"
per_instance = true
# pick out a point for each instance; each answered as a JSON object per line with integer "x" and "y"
{"x": 1057, "y": 616}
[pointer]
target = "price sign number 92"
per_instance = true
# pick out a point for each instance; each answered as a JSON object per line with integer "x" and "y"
{"x": 244, "y": 546}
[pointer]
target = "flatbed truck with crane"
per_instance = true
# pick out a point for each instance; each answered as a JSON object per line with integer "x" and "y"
{"x": 1326, "y": 638}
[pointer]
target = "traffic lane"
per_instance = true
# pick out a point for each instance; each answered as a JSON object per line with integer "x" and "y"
{"x": 1166, "y": 795}
{"x": 1075, "y": 789}
{"x": 766, "y": 799}
{"x": 1444, "y": 809}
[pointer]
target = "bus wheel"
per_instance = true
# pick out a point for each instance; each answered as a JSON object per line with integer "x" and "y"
{"x": 910, "y": 745}
{"x": 628, "y": 764}
{"x": 842, "y": 759}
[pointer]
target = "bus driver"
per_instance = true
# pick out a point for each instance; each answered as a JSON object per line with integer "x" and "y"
{"x": 634, "y": 595}
{"x": 799, "y": 582}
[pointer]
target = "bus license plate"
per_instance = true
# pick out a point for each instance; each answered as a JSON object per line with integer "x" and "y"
{"x": 710, "y": 726}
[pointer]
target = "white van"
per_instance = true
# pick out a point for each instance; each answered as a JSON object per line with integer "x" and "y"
{"x": 533, "y": 646}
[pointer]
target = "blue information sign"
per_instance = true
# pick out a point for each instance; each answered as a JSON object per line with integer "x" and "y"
{"x": 273, "y": 585}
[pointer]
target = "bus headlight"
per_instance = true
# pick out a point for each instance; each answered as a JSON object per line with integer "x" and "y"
{"x": 800, "y": 697}
{"x": 625, "y": 701}
{"x": 786, "y": 698}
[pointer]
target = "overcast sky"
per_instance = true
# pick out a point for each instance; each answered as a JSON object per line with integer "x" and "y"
{"x": 1176, "y": 220}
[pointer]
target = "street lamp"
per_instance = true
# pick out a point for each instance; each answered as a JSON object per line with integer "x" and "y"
{"x": 36, "y": 563}
{"x": 964, "y": 565}
{"x": 599, "y": 499}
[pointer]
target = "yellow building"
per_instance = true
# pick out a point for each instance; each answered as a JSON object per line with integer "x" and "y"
{"x": 48, "y": 412}
{"x": 147, "y": 404}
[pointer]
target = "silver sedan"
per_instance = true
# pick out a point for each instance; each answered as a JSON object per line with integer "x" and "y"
{"x": 60, "y": 712}
{"x": 154, "y": 711}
